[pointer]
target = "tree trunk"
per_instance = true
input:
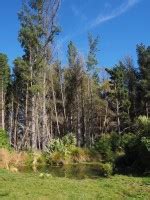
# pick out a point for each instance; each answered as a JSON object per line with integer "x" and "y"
{"x": 1, "y": 100}
{"x": 3, "y": 107}
{"x": 118, "y": 116}
{"x": 55, "y": 106}
{"x": 44, "y": 124}
{"x": 15, "y": 137}
{"x": 34, "y": 135}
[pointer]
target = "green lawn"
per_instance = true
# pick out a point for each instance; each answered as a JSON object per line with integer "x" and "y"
{"x": 29, "y": 186}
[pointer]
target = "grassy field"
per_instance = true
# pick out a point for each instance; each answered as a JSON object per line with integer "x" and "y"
{"x": 30, "y": 186}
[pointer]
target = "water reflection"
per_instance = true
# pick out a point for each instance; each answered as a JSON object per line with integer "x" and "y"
{"x": 75, "y": 171}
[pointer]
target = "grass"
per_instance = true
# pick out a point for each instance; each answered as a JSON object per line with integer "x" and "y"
{"x": 30, "y": 186}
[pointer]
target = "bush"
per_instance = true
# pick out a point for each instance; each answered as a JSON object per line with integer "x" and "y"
{"x": 106, "y": 169}
{"x": 79, "y": 155}
{"x": 61, "y": 151}
{"x": 115, "y": 141}
{"x": 144, "y": 125}
{"x": 127, "y": 139}
{"x": 4, "y": 140}
{"x": 146, "y": 142}
{"x": 103, "y": 146}
{"x": 58, "y": 150}
{"x": 62, "y": 145}
{"x": 55, "y": 145}
{"x": 69, "y": 140}
{"x": 137, "y": 155}
{"x": 57, "y": 158}
{"x": 35, "y": 159}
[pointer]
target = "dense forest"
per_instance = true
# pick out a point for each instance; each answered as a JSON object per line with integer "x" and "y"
{"x": 42, "y": 100}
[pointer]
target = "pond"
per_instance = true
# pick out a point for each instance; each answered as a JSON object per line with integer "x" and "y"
{"x": 73, "y": 171}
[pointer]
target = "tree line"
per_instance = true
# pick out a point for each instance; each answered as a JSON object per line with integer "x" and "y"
{"x": 41, "y": 100}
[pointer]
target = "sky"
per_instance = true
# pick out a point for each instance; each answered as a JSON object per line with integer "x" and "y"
{"x": 120, "y": 25}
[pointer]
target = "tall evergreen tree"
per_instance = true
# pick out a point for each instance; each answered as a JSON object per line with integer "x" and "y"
{"x": 4, "y": 82}
{"x": 119, "y": 97}
{"x": 144, "y": 77}
{"x": 37, "y": 33}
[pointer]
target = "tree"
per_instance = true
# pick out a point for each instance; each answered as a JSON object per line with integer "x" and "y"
{"x": 73, "y": 84}
{"x": 144, "y": 78}
{"x": 4, "y": 82}
{"x": 37, "y": 33}
{"x": 91, "y": 66}
{"x": 132, "y": 86}
{"x": 91, "y": 59}
{"x": 119, "y": 97}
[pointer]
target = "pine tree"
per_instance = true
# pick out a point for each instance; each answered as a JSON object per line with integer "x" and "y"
{"x": 144, "y": 78}
{"x": 4, "y": 82}
{"x": 37, "y": 33}
{"x": 119, "y": 97}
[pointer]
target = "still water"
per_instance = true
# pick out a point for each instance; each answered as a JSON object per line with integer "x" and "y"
{"x": 74, "y": 171}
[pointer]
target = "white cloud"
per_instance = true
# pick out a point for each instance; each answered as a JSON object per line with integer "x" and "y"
{"x": 124, "y": 7}
{"x": 114, "y": 13}
{"x": 78, "y": 13}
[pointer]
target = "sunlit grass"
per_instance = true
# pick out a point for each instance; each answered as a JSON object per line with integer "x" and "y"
{"x": 30, "y": 186}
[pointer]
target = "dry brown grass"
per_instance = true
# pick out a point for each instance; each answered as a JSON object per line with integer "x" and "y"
{"x": 12, "y": 159}
{"x": 4, "y": 158}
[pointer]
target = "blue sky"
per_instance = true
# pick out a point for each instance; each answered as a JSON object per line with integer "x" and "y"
{"x": 120, "y": 24}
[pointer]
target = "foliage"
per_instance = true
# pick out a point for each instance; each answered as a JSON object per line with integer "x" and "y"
{"x": 4, "y": 140}
{"x": 103, "y": 146}
{"x": 109, "y": 145}
{"x": 115, "y": 141}
{"x": 92, "y": 61}
{"x": 78, "y": 155}
{"x": 69, "y": 140}
{"x": 144, "y": 125}
{"x": 56, "y": 145}
{"x": 143, "y": 53}
{"x": 137, "y": 155}
{"x": 119, "y": 95}
{"x": 146, "y": 142}
{"x": 62, "y": 151}
{"x": 57, "y": 158}
{"x": 127, "y": 139}
{"x": 62, "y": 145}
{"x": 106, "y": 169}
{"x": 4, "y": 71}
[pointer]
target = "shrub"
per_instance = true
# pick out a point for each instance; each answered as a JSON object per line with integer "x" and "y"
{"x": 144, "y": 125}
{"x": 58, "y": 150}
{"x": 56, "y": 145}
{"x": 4, "y": 140}
{"x": 146, "y": 142}
{"x": 137, "y": 155}
{"x": 64, "y": 151}
{"x": 79, "y": 155}
{"x": 127, "y": 139}
{"x": 57, "y": 158}
{"x": 103, "y": 146}
{"x": 115, "y": 141}
{"x": 35, "y": 159}
{"x": 69, "y": 140}
{"x": 62, "y": 145}
{"x": 106, "y": 169}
